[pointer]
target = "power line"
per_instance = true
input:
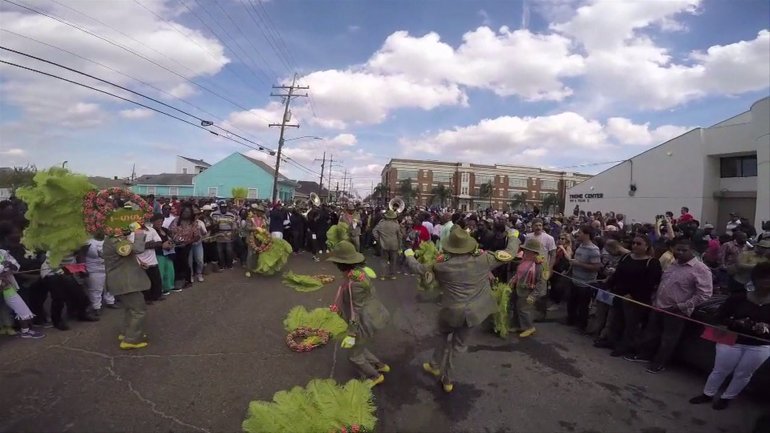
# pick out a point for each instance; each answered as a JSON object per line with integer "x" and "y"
{"x": 264, "y": 29}
{"x": 129, "y": 50}
{"x": 281, "y": 43}
{"x": 261, "y": 147}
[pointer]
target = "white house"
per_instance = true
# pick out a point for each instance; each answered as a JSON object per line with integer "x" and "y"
{"x": 713, "y": 171}
{"x": 185, "y": 165}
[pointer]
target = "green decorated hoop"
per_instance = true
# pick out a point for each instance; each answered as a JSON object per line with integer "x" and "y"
{"x": 100, "y": 215}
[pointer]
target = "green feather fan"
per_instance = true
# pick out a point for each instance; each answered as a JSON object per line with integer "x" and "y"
{"x": 301, "y": 283}
{"x": 336, "y": 234}
{"x": 426, "y": 254}
{"x": 274, "y": 258}
{"x": 502, "y": 294}
{"x": 55, "y": 212}
{"x": 323, "y": 406}
{"x": 322, "y": 318}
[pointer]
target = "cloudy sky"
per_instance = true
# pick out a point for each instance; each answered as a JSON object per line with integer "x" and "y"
{"x": 554, "y": 83}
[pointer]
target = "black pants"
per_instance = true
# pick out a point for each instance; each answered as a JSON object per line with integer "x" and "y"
{"x": 660, "y": 338}
{"x": 577, "y": 306}
{"x": 182, "y": 271}
{"x": 634, "y": 318}
{"x": 296, "y": 241}
{"x": 64, "y": 290}
{"x": 155, "y": 291}
{"x": 210, "y": 253}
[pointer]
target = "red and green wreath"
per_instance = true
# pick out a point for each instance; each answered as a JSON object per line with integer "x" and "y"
{"x": 98, "y": 205}
{"x": 260, "y": 241}
{"x": 304, "y": 339}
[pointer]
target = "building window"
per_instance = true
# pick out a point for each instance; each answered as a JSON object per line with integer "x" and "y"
{"x": 534, "y": 195}
{"x": 213, "y": 192}
{"x": 466, "y": 177}
{"x": 517, "y": 182}
{"x": 464, "y": 190}
{"x": 425, "y": 187}
{"x": 184, "y": 171}
{"x": 407, "y": 174}
{"x": 738, "y": 166}
{"x": 252, "y": 194}
{"x": 442, "y": 177}
{"x": 549, "y": 184}
{"x": 481, "y": 179}
{"x": 150, "y": 190}
{"x": 173, "y": 190}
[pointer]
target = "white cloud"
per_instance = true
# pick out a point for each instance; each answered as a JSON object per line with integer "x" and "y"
{"x": 136, "y": 113}
{"x": 13, "y": 152}
{"x": 343, "y": 140}
{"x": 539, "y": 140}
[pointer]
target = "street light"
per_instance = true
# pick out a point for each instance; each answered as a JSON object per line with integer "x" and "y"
{"x": 313, "y": 137}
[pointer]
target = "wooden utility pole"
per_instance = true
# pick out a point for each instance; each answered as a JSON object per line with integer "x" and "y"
{"x": 284, "y": 124}
{"x": 321, "y": 179}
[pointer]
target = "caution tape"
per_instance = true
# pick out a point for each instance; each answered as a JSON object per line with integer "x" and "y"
{"x": 660, "y": 310}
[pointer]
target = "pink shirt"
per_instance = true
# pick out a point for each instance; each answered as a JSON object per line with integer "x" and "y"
{"x": 684, "y": 286}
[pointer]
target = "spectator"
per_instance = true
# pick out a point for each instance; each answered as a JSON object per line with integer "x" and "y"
{"x": 747, "y": 313}
{"x": 683, "y": 286}
{"x": 165, "y": 254}
{"x": 733, "y": 224}
{"x": 728, "y": 258}
{"x": 747, "y": 261}
{"x": 685, "y": 215}
{"x": 185, "y": 232}
{"x": 225, "y": 225}
{"x": 585, "y": 268}
{"x": 96, "y": 275}
{"x": 149, "y": 261}
{"x": 197, "y": 255}
{"x": 547, "y": 243}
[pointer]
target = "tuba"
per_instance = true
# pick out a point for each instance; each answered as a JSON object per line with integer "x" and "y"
{"x": 314, "y": 199}
{"x": 397, "y": 205}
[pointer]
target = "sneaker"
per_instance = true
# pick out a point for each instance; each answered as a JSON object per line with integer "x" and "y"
{"x": 527, "y": 332}
{"x": 129, "y": 346}
{"x": 384, "y": 368}
{"x": 44, "y": 325}
{"x": 376, "y": 381}
{"x": 200, "y": 278}
{"x": 167, "y": 293}
{"x": 655, "y": 369}
{"x": 176, "y": 289}
{"x": 703, "y": 398}
{"x": 721, "y": 404}
{"x": 635, "y": 358}
{"x": 448, "y": 387}
{"x": 32, "y": 334}
{"x": 429, "y": 369}
{"x": 316, "y": 259}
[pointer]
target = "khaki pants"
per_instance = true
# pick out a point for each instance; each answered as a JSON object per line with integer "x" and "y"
{"x": 452, "y": 341}
{"x": 364, "y": 360}
{"x": 391, "y": 261}
{"x": 525, "y": 313}
{"x": 133, "y": 321}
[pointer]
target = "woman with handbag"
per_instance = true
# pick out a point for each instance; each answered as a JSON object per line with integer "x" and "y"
{"x": 746, "y": 312}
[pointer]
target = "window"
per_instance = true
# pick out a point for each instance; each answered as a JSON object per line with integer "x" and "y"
{"x": 738, "y": 166}
{"x": 407, "y": 174}
{"x": 173, "y": 190}
{"x": 252, "y": 194}
{"x": 442, "y": 177}
{"x": 213, "y": 192}
{"x": 184, "y": 171}
{"x": 481, "y": 179}
{"x": 517, "y": 182}
{"x": 464, "y": 190}
{"x": 425, "y": 187}
{"x": 466, "y": 177}
{"x": 150, "y": 190}
{"x": 549, "y": 184}
{"x": 534, "y": 195}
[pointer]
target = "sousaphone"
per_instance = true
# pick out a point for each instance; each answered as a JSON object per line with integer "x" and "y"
{"x": 397, "y": 205}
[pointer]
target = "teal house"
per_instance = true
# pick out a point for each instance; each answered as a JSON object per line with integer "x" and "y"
{"x": 164, "y": 185}
{"x": 240, "y": 171}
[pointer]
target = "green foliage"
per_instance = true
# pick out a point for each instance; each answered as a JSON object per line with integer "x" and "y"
{"x": 274, "y": 258}
{"x": 502, "y": 294}
{"x": 239, "y": 193}
{"x": 406, "y": 190}
{"x": 301, "y": 283}
{"x": 336, "y": 234}
{"x": 321, "y": 318}
{"x": 486, "y": 190}
{"x": 441, "y": 194}
{"x": 322, "y": 406}
{"x": 426, "y": 254}
{"x": 55, "y": 212}
{"x": 550, "y": 203}
{"x": 518, "y": 200}
{"x": 380, "y": 192}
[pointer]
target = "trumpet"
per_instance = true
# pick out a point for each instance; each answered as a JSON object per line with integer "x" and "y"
{"x": 397, "y": 205}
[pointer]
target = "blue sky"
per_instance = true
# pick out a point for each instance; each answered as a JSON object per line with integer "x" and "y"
{"x": 578, "y": 82}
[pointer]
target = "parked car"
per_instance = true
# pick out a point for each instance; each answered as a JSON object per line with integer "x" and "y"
{"x": 698, "y": 353}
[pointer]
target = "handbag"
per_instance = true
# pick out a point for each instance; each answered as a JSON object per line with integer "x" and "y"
{"x": 720, "y": 336}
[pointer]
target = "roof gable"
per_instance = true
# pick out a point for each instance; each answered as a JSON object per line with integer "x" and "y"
{"x": 198, "y": 162}
{"x": 263, "y": 165}
{"x": 165, "y": 179}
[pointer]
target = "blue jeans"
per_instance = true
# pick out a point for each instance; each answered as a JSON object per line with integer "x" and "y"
{"x": 196, "y": 258}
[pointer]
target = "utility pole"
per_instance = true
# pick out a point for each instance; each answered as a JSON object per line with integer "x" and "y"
{"x": 284, "y": 124}
{"x": 321, "y": 180}
{"x": 344, "y": 180}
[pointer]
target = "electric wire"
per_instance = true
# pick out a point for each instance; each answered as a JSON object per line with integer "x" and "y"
{"x": 280, "y": 41}
{"x": 266, "y": 34}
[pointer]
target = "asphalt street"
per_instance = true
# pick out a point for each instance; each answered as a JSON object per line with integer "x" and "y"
{"x": 218, "y": 346}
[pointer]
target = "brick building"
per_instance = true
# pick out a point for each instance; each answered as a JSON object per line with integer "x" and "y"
{"x": 464, "y": 182}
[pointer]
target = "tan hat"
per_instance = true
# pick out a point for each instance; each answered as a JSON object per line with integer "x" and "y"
{"x": 390, "y": 215}
{"x": 532, "y": 245}
{"x": 345, "y": 252}
{"x": 460, "y": 242}
{"x": 206, "y": 207}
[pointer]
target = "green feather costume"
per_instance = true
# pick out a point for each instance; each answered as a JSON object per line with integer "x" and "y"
{"x": 336, "y": 234}
{"x": 319, "y": 318}
{"x": 274, "y": 258}
{"x": 55, "y": 213}
{"x": 301, "y": 283}
{"x": 502, "y": 294}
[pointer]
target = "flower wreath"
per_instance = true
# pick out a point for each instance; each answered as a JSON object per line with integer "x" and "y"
{"x": 324, "y": 279}
{"x": 260, "y": 241}
{"x": 97, "y": 205}
{"x": 311, "y": 338}
{"x": 354, "y": 428}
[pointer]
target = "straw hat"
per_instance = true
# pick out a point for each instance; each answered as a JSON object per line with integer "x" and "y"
{"x": 345, "y": 252}
{"x": 460, "y": 242}
{"x": 532, "y": 245}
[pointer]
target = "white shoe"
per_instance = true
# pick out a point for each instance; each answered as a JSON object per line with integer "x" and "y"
{"x": 200, "y": 278}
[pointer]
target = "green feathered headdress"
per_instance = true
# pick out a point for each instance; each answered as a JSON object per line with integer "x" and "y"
{"x": 336, "y": 234}
{"x": 322, "y": 318}
{"x": 55, "y": 212}
{"x": 322, "y": 406}
{"x": 502, "y": 294}
{"x": 301, "y": 283}
{"x": 426, "y": 254}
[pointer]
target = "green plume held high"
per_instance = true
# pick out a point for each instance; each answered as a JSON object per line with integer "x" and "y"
{"x": 55, "y": 212}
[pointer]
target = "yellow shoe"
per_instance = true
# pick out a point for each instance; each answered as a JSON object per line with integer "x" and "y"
{"x": 429, "y": 369}
{"x": 385, "y": 368}
{"x": 376, "y": 381}
{"x": 128, "y": 346}
{"x": 527, "y": 332}
{"x": 448, "y": 387}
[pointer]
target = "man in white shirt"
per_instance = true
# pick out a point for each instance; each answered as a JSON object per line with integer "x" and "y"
{"x": 149, "y": 262}
{"x": 547, "y": 243}
{"x": 168, "y": 217}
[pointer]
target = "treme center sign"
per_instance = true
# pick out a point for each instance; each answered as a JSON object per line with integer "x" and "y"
{"x": 584, "y": 198}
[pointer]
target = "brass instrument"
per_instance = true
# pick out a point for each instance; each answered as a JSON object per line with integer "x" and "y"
{"x": 397, "y": 205}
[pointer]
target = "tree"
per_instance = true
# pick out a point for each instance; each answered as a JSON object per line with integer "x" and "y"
{"x": 550, "y": 201}
{"x": 407, "y": 191}
{"x": 440, "y": 194}
{"x": 486, "y": 190}
{"x": 17, "y": 177}
{"x": 518, "y": 200}
{"x": 380, "y": 192}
